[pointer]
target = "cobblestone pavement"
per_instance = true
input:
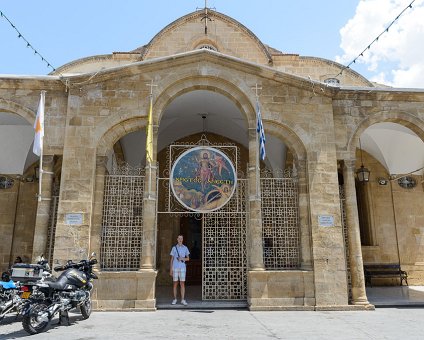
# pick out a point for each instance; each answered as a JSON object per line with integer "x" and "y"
{"x": 384, "y": 323}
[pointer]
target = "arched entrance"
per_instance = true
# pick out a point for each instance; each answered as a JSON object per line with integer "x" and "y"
{"x": 390, "y": 203}
{"x": 351, "y": 164}
{"x": 216, "y": 236}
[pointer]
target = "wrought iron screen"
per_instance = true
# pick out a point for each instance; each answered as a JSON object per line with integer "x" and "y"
{"x": 122, "y": 222}
{"x": 280, "y": 219}
{"x": 51, "y": 229}
{"x": 224, "y": 249}
{"x": 345, "y": 237}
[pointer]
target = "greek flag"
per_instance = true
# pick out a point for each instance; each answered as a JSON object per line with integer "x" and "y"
{"x": 260, "y": 131}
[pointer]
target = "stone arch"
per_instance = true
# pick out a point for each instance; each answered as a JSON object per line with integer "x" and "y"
{"x": 401, "y": 117}
{"x": 115, "y": 132}
{"x": 12, "y": 107}
{"x": 289, "y": 137}
{"x": 235, "y": 94}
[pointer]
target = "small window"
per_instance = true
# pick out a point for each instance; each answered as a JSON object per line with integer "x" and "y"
{"x": 332, "y": 81}
{"x": 208, "y": 47}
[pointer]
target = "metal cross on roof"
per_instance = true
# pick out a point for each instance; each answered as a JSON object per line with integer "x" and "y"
{"x": 206, "y": 17}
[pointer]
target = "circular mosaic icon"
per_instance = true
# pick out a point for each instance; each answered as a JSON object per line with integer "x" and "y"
{"x": 203, "y": 179}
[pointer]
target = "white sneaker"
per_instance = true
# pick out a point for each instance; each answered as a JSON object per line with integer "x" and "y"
{"x": 184, "y": 302}
{"x": 174, "y": 302}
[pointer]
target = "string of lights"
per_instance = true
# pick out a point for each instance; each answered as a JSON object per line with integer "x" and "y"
{"x": 29, "y": 45}
{"x": 376, "y": 39}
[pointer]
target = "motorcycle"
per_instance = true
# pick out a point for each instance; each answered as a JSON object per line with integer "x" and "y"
{"x": 29, "y": 274}
{"x": 14, "y": 297}
{"x": 72, "y": 289}
{"x": 10, "y": 300}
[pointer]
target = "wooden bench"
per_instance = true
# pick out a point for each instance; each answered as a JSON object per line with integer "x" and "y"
{"x": 384, "y": 270}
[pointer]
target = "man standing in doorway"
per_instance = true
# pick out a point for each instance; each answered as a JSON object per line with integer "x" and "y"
{"x": 177, "y": 267}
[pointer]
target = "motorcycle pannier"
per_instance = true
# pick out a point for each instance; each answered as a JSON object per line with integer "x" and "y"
{"x": 24, "y": 272}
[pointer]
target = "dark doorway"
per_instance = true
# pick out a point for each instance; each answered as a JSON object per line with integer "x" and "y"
{"x": 191, "y": 229}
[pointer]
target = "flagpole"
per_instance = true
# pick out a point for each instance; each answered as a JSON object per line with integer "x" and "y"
{"x": 258, "y": 151}
{"x": 257, "y": 165}
{"x": 149, "y": 139}
{"x": 40, "y": 173}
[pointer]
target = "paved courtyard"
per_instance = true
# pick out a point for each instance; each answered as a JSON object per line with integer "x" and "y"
{"x": 383, "y": 323}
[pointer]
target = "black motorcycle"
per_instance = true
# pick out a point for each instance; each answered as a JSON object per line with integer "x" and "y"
{"x": 72, "y": 289}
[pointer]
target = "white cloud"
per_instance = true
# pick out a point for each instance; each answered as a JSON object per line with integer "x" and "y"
{"x": 397, "y": 58}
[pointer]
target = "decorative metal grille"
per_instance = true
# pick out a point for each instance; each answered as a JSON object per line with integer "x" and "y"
{"x": 51, "y": 229}
{"x": 224, "y": 253}
{"x": 122, "y": 223}
{"x": 345, "y": 237}
{"x": 224, "y": 250}
{"x": 280, "y": 219}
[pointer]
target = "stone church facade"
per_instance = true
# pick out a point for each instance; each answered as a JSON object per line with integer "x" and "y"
{"x": 292, "y": 237}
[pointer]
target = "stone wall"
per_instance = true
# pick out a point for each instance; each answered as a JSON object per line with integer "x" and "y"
{"x": 17, "y": 220}
{"x": 7, "y": 222}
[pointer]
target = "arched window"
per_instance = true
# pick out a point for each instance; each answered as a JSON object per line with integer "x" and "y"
{"x": 332, "y": 81}
{"x": 207, "y": 47}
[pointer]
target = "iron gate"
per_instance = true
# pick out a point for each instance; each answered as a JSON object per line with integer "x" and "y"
{"x": 224, "y": 253}
{"x": 280, "y": 219}
{"x": 224, "y": 249}
{"x": 122, "y": 222}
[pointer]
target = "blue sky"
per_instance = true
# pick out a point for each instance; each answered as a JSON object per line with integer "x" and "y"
{"x": 65, "y": 31}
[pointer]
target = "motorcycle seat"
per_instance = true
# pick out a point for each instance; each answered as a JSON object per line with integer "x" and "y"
{"x": 60, "y": 284}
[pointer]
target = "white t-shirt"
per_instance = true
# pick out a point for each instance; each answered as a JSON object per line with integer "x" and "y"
{"x": 183, "y": 252}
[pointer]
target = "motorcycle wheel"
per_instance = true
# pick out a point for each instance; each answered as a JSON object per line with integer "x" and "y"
{"x": 31, "y": 322}
{"x": 86, "y": 308}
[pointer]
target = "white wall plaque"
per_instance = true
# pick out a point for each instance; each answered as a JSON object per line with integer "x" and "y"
{"x": 326, "y": 220}
{"x": 74, "y": 219}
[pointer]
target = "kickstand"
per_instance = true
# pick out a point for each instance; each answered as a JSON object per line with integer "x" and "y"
{"x": 64, "y": 317}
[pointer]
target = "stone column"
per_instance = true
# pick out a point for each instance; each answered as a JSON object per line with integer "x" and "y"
{"x": 359, "y": 296}
{"x": 43, "y": 208}
{"x": 254, "y": 233}
{"x": 96, "y": 224}
{"x": 148, "y": 255}
{"x": 305, "y": 236}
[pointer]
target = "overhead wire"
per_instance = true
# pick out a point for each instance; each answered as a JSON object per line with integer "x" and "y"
{"x": 64, "y": 80}
{"x": 376, "y": 39}
{"x": 29, "y": 45}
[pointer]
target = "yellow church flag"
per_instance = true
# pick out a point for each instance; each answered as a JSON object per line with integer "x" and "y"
{"x": 149, "y": 143}
{"x": 39, "y": 126}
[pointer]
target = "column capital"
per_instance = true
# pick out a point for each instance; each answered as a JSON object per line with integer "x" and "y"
{"x": 48, "y": 159}
{"x": 101, "y": 161}
{"x": 350, "y": 164}
{"x": 252, "y": 132}
{"x": 301, "y": 165}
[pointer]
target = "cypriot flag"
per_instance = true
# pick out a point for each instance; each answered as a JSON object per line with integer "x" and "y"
{"x": 39, "y": 127}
